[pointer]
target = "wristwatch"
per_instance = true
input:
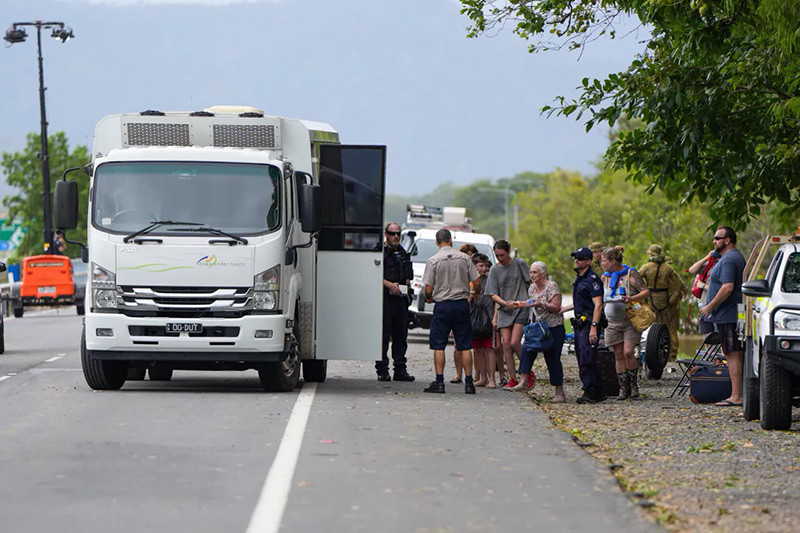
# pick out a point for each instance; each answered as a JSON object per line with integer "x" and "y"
{"x": 594, "y": 324}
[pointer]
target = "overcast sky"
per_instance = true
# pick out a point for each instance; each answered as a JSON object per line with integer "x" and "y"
{"x": 394, "y": 72}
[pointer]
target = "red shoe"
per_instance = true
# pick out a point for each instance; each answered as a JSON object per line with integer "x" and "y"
{"x": 531, "y": 381}
{"x": 511, "y": 384}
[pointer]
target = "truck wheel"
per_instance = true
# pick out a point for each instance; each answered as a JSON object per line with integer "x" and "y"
{"x": 160, "y": 373}
{"x": 282, "y": 376}
{"x": 656, "y": 350}
{"x": 101, "y": 375}
{"x": 18, "y": 311}
{"x": 315, "y": 370}
{"x": 750, "y": 405}
{"x": 136, "y": 373}
{"x": 80, "y": 308}
{"x": 775, "y": 395}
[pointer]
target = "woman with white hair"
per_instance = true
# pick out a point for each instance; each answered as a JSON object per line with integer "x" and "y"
{"x": 544, "y": 297}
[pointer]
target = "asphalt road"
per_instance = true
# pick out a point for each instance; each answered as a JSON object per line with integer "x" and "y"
{"x": 194, "y": 454}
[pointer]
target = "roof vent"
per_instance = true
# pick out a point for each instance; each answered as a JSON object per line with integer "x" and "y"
{"x": 251, "y": 114}
{"x": 201, "y": 114}
{"x": 152, "y": 113}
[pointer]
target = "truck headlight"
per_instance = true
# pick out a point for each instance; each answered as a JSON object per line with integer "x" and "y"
{"x": 785, "y": 321}
{"x": 265, "y": 289}
{"x": 104, "y": 288}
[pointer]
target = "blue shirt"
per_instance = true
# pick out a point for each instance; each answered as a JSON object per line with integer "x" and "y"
{"x": 729, "y": 269}
{"x": 584, "y": 288}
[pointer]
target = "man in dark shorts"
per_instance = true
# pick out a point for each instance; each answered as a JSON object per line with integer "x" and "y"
{"x": 724, "y": 297}
{"x": 447, "y": 277}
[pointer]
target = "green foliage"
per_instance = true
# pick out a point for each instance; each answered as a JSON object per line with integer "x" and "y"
{"x": 717, "y": 86}
{"x": 24, "y": 171}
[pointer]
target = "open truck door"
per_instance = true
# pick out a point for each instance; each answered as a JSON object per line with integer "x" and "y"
{"x": 349, "y": 284}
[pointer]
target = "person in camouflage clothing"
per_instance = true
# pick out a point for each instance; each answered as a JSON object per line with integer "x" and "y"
{"x": 666, "y": 292}
{"x": 597, "y": 251}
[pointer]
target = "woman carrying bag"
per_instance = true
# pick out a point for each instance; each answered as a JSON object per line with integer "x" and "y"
{"x": 544, "y": 299}
{"x": 625, "y": 290}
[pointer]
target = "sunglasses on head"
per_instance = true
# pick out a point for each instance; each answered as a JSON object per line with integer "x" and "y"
{"x": 395, "y": 233}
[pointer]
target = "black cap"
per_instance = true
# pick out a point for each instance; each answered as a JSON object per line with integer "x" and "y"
{"x": 582, "y": 253}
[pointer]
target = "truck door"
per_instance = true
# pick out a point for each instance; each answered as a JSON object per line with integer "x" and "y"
{"x": 349, "y": 282}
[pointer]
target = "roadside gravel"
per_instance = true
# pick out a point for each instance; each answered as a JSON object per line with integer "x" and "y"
{"x": 695, "y": 467}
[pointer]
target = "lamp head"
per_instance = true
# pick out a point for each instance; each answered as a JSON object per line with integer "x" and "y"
{"x": 15, "y": 35}
{"x": 63, "y": 33}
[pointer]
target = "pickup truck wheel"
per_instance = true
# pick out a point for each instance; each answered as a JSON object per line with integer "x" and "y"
{"x": 19, "y": 311}
{"x": 282, "y": 376}
{"x": 656, "y": 350}
{"x": 775, "y": 395}
{"x": 750, "y": 405}
{"x": 101, "y": 375}
{"x": 160, "y": 373}
{"x": 315, "y": 370}
{"x": 136, "y": 373}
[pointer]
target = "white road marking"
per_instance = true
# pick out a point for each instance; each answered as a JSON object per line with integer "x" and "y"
{"x": 56, "y": 358}
{"x": 271, "y": 504}
{"x": 3, "y": 378}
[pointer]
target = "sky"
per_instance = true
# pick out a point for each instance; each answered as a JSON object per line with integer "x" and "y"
{"x": 395, "y": 72}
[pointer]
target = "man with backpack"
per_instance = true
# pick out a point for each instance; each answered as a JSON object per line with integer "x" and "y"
{"x": 666, "y": 292}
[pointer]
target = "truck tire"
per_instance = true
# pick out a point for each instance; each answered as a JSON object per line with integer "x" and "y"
{"x": 19, "y": 311}
{"x": 656, "y": 350}
{"x": 2, "y": 337}
{"x": 775, "y": 395}
{"x": 282, "y": 376}
{"x": 101, "y": 375}
{"x": 315, "y": 370}
{"x": 136, "y": 373}
{"x": 80, "y": 308}
{"x": 160, "y": 373}
{"x": 750, "y": 405}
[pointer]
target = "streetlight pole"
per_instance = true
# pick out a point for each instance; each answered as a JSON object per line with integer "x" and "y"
{"x": 509, "y": 193}
{"x": 17, "y": 34}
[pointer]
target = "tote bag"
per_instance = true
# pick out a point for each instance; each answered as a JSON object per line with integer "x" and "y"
{"x": 537, "y": 337}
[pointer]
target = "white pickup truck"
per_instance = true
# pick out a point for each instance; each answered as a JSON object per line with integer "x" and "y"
{"x": 771, "y": 380}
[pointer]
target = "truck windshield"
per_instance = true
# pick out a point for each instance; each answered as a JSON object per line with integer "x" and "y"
{"x": 236, "y": 198}
{"x": 423, "y": 249}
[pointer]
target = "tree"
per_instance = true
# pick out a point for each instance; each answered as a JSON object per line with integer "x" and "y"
{"x": 24, "y": 171}
{"x": 717, "y": 86}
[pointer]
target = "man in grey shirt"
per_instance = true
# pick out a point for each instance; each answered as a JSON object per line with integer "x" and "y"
{"x": 447, "y": 278}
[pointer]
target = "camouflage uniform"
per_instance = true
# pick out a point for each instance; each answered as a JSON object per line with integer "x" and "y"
{"x": 596, "y": 266}
{"x": 666, "y": 291}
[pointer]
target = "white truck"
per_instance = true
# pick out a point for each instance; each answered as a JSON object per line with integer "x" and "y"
{"x": 226, "y": 239}
{"x": 771, "y": 369}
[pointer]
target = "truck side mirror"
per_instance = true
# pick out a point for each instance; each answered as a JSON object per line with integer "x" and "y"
{"x": 310, "y": 203}
{"x": 2, "y": 267}
{"x": 66, "y": 204}
{"x": 757, "y": 288}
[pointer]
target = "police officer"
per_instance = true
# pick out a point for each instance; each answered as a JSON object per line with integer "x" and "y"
{"x": 666, "y": 292}
{"x": 587, "y": 301}
{"x": 397, "y": 271}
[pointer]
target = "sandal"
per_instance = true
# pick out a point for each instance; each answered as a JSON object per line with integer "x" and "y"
{"x": 455, "y": 380}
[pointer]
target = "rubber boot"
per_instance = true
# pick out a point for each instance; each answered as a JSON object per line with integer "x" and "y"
{"x": 624, "y": 385}
{"x": 634, "y": 382}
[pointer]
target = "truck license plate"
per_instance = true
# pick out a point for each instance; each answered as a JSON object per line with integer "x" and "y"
{"x": 184, "y": 328}
{"x": 47, "y": 290}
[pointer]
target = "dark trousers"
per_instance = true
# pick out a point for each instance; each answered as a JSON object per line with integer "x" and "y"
{"x": 586, "y": 353}
{"x": 552, "y": 357}
{"x": 395, "y": 329}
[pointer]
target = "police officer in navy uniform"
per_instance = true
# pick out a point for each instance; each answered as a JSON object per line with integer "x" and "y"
{"x": 587, "y": 301}
{"x": 397, "y": 270}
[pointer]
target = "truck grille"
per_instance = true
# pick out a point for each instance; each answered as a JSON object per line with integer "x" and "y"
{"x": 185, "y": 302}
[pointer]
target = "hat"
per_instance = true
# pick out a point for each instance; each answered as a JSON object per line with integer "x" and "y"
{"x": 582, "y": 253}
{"x": 653, "y": 250}
{"x": 596, "y": 246}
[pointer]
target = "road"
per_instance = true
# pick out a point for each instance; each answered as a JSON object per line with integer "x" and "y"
{"x": 198, "y": 453}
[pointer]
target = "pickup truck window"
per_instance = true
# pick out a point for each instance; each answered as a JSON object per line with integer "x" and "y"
{"x": 237, "y": 198}
{"x": 791, "y": 275}
{"x": 772, "y": 271}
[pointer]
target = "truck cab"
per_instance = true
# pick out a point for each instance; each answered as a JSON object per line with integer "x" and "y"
{"x": 771, "y": 380}
{"x": 223, "y": 239}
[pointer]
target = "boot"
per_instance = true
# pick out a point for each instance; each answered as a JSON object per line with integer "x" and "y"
{"x": 624, "y": 386}
{"x": 634, "y": 382}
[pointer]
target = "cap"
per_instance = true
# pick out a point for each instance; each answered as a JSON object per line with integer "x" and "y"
{"x": 582, "y": 253}
{"x": 596, "y": 246}
{"x": 653, "y": 250}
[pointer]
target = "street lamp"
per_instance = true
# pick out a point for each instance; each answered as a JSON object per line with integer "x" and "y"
{"x": 509, "y": 193}
{"x": 17, "y": 34}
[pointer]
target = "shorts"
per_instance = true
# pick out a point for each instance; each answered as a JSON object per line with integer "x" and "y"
{"x": 482, "y": 343}
{"x": 729, "y": 337}
{"x": 451, "y": 315}
{"x": 620, "y": 331}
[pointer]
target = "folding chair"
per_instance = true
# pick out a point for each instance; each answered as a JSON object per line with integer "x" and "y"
{"x": 708, "y": 354}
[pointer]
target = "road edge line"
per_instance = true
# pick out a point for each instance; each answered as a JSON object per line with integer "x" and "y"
{"x": 268, "y": 514}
